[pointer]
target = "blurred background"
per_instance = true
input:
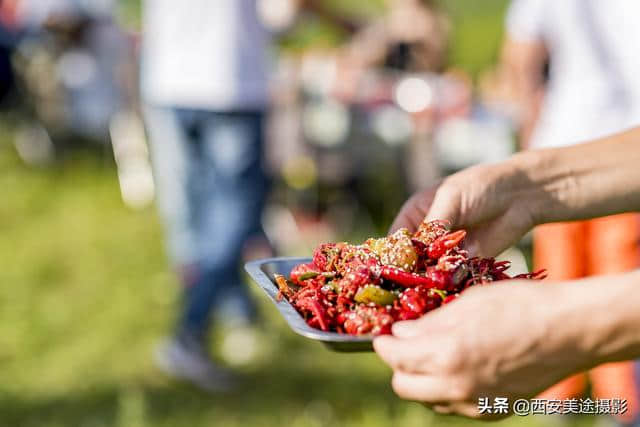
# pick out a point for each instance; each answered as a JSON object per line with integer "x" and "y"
{"x": 364, "y": 107}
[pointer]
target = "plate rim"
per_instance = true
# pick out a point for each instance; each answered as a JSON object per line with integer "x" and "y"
{"x": 294, "y": 319}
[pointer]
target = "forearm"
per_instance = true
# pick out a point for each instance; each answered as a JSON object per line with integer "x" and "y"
{"x": 582, "y": 181}
{"x": 601, "y": 317}
{"x": 523, "y": 63}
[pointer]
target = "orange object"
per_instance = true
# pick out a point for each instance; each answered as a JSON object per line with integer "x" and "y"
{"x": 590, "y": 248}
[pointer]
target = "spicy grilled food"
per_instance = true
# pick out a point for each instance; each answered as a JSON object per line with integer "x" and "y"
{"x": 364, "y": 289}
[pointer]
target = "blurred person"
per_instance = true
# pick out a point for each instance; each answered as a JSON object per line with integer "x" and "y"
{"x": 513, "y": 340}
{"x": 8, "y": 40}
{"x": 204, "y": 84}
{"x": 592, "y": 90}
{"x": 406, "y": 47}
{"x": 82, "y": 51}
{"x": 412, "y": 36}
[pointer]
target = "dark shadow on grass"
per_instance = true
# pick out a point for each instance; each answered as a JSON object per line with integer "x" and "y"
{"x": 273, "y": 398}
{"x": 268, "y": 393}
{"x": 269, "y": 396}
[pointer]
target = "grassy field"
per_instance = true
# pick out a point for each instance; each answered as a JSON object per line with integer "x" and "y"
{"x": 85, "y": 294}
{"x": 475, "y": 41}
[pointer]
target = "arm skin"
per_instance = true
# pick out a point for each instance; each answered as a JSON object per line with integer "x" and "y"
{"x": 516, "y": 339}
{"x": 499, "y": 203}
{"x": 523, "y": 63}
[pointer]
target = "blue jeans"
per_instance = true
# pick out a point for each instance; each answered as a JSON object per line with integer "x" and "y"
{"x": 211, "y": 189}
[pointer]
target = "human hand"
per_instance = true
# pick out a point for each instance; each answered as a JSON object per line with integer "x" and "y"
{"x": 496, "y": 204}
{"x": 508, "y": 340}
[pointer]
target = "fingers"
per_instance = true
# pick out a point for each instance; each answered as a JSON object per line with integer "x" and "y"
{"x": 392, "y": 350}
{"x": 410, "y": 328}
{"x": 431, "y": 324}
{"x": 414, "y": 210}
{"x": 411, "y": 214}
{"x": 427, "y": 324}
{"x": 478, "y": 245}
{"x": 446, "y": 205}
{"x": 428, "y": 369}
{"x": 467, "y": 409}
{"x": 472, "y": 197}
{"x": 412, "y": 355}
{"x": 490, "y": 239}
{"x": 443, "y": 409}
{"x": 409, "y": 217}
{"x": 423, "y": 388}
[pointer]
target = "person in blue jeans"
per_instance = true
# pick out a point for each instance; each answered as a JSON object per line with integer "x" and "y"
{"x": 204, "y": 87}
{"x": 211, "y": 190}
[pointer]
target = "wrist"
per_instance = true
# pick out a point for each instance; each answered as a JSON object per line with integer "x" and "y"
{"x": 553, "y": 184}
{"x": 537, "y": 183}
{"x": 582, "y": 181}
{"x": 598, "y": 319}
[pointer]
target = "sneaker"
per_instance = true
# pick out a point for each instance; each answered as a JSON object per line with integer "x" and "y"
{"x": 240, "y": 345}
{"x": 185, "y": 362}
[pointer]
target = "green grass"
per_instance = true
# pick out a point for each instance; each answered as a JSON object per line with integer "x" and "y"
{"x": 477, "y": 28}
{"x": 85, "y": 293}
{"x": 477, "y": 33}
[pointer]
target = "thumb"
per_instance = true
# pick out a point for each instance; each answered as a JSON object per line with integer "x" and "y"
{"x": 446, "y": 206}
{"x": 414, "y": 210}
{"x": 410, "y": 328}
{"x": 431, "y": 323}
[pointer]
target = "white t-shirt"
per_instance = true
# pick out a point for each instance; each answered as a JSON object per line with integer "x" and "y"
{"x": 208, "y": 54}
{"x": 594, "y": 46}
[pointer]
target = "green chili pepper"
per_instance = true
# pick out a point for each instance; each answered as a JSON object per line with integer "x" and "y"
{"x": 334, "y": 285}
{"x": 375, "y": 294}
{"x": 308, "y": 275}
{"x": 440, "y": 292}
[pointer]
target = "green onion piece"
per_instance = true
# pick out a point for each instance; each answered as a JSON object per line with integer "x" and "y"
{"x": 308, "y": 275}
{"x": 440, "y": 292}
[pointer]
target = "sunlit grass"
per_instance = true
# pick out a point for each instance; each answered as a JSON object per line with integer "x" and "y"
{"x": 85, "y": 294}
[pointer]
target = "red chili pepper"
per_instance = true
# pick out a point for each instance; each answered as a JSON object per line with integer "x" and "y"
{"x": 319, "y": 313}
{"x": 301, "y": 272}
{"x": 414, "y": 302}
{"x": 328, "y": 285}
{"x": 442, "y": 244}
{"x": 450, "y": 298}
{"x": 405, "y": 279}
{"x": 432, "y": 277}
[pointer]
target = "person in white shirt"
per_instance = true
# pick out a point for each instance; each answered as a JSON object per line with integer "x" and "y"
{"x": 204, "y": 72}
{"x": 592, "y": 89}
{"x": 206, "y": 55}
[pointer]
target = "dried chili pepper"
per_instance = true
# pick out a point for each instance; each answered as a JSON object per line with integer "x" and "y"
{"x": 363, "y": 289}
